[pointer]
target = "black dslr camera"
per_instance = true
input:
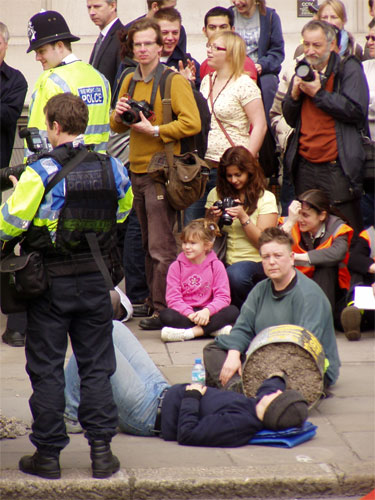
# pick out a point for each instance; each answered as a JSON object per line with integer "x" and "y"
{"x": 132, "y": 115}
{"x": 226, "y": 219}
{"x": 35, "y": 144}
{"x": 305, "y": 71}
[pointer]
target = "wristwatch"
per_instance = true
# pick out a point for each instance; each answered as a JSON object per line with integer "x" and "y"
{"x": 156, "y": 131}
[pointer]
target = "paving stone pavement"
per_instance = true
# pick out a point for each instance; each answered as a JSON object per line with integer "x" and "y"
{"x": 337, "y": 463}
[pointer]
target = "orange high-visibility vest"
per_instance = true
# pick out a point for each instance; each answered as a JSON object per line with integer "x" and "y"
{"x": 308, "y": 269}
{"x": 369, "y": 235}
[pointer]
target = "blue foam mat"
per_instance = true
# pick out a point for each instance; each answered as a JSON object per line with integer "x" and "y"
{"x": 287, "y": 438}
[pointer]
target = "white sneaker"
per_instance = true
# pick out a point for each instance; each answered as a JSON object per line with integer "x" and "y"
{"x": 225, "y": 330}
{"x": 126, "y": 304}
{"x": 169, "y": 334}
{"x": 72, "y": 426}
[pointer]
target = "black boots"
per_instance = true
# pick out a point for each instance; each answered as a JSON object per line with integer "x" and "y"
{"x": 104, "y": 464}
{"x": 40, "y": 465}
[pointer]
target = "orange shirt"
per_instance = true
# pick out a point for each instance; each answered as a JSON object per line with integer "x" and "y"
{"x": 317, "y": 141}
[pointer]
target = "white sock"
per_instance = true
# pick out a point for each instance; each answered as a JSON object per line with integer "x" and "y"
{"x": 188, "y": 334}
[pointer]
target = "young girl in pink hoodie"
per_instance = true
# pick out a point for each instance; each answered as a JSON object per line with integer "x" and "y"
{"x": 198, "y": 294}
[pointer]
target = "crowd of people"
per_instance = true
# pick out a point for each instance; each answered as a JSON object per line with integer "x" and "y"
{"x": 294, "y": 260}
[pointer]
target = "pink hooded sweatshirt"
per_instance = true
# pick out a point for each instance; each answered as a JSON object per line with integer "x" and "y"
{"x": 195, "y": 286}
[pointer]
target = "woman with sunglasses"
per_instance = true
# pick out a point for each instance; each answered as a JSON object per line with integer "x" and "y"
{"x": 321, "y": 245}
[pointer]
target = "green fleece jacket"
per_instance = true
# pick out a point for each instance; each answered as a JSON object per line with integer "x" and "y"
{"x": 304, "y": 305}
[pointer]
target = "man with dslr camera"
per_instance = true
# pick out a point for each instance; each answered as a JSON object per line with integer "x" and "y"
{"x": 71, "y": 223}
{"x": 328, "y": 108}
{"x": 155, "y": 215}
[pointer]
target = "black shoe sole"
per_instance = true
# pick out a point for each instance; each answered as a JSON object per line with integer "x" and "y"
{"x": 44, "y": 475}
{"x": 13, "y": 343}
{"x": 102, "y": 474}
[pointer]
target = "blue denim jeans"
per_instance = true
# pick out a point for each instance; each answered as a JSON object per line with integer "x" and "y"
{"x": 136, "y": 384}
{"x": 243, "y": 276}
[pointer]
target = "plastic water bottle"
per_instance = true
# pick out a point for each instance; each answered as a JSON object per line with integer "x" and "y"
{"x": 198, "y": 374}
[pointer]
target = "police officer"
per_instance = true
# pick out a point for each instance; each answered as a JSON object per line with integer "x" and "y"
{"x": 50, "y": 38}
{"x": 84, "y": 205}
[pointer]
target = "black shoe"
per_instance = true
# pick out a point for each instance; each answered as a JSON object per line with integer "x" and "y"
{"x": 104, "y": 464}
{"x": 142, "y": 311}
{"x": 152, "y": 323}
{"x": 40, "y": 465}
{"x": 13, "y": 338}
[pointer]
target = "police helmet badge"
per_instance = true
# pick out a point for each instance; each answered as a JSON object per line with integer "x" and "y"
{"x": 31, "y": 31}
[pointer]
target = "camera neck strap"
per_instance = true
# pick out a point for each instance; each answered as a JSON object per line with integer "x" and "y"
{"x": 157, "y": 77}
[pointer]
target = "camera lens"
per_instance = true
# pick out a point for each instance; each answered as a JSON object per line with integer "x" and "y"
{"x": 129, "y": 117}
{"x": 304, "y": 71}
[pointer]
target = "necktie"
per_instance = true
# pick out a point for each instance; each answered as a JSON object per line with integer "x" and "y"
{"x": 97, "y": 45}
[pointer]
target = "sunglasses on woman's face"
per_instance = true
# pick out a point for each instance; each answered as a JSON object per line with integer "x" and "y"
{"x": 370, "y": 37}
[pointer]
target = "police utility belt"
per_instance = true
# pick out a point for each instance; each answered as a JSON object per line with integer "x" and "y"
{"x": 25, "y": 277}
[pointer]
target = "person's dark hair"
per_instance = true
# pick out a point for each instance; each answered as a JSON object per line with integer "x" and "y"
{"x": 125, "y": 50}
{"x": 275, "y": 234}
{"x": 67, "y": 44}
{"x": 142, "y": 25}
{"x": 241, "y": 157}
{"x": 370, "y": 3}
{"x": 318, "y": 201}
{"x": 69, "y": 111}
{"x": 159, "y": 2}
{"x": 316, "y": 24}
{"x": 169, "y": 14}
{"x": 219, "y": 11}
{"x": 371, "y": 24}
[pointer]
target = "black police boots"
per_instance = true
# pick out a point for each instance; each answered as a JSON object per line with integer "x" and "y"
{"x": 40, "y": 465}
{"x": 104, "y": 464}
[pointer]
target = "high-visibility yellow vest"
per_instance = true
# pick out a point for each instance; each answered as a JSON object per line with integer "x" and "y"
{"x": 81, "y": 79}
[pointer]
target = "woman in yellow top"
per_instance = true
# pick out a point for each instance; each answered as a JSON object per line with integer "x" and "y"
{"x": 241, "y": 178}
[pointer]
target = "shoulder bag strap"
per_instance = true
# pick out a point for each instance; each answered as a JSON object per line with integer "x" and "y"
{"x": 66, "y": 169}
{"x": 167, "y": 116}
{"x": 216, "y": 118}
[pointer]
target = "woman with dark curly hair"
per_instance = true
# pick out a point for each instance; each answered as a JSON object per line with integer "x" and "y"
{"x": 241, "y": 178}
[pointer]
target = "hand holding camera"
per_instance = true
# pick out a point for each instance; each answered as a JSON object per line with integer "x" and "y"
{"x": 135, "y": 114}
{"x": 229, "y": 210}
{"x": 306, "y": 80}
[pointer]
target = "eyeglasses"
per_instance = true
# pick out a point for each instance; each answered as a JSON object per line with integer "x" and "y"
{"x": 214, "y": 47}
{"x": 147, "y": 45}
{"x": 370, "y": 37}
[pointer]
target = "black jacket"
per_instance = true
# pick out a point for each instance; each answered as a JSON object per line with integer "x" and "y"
{"x": 348, "y": 105}
{"x": 219, "y": 418}
{"x": 179, "y": 55}
{"x": 13, "y": 88}
{"x": 108, "y": 59}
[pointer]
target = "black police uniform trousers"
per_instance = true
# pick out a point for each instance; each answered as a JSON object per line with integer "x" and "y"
{"x": 79, "y": 305}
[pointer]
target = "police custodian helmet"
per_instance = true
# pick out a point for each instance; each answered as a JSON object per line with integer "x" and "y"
{"x": 48, "y": 27}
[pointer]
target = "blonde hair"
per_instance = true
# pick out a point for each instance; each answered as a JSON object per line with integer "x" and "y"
{"x": 236, "y": 50}
{"x": 337, "y": 6}
{"x": 204, "y": 230}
